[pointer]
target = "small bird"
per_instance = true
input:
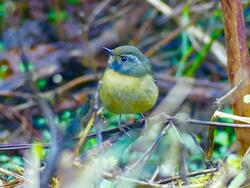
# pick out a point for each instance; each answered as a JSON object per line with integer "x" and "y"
{"x": 127, "y": 85}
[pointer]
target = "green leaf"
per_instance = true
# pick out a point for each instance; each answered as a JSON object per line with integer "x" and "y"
{"x": 186, "y": 50}
{"x": 65, "y": 115}
{"x": 37, "y": 150}
{"x": 22, "y": 67}
{"x": 73, "y": 2}
{"x": 41, "y": 83}
{"x": 54, "y": 16}
{"x": 202, "y": 53}
{"x": 184, "y": 35}
{"x": 222, "y": 138}
{"x": 4, "y": 158}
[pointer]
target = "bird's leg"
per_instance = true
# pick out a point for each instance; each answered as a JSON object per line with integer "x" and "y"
{"x": 120, "y": 126}
{"x": 145, "y": 120}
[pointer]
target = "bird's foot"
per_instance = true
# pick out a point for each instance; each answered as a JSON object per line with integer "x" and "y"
{"x": 145, "y": 120}
{"x": 122, "y": 127}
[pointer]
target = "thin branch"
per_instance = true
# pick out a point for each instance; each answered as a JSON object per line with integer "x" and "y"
{"x": 144, "y": 184}
{"x": 207, "y": 123}
{"x": 105, "y": 133}
{"x": 184, "y": 168}
{"x": 96, "y": 118}
{"x": 192, "y": 174}
{"x": 203, "y": 89}
{"x": 70, "y": 85}
{"x": 17, "y": 94}
{"x": 83, "y": 136}
{"x": 108, "y": 175}
{"x": 117, "y": 14}
{"x": 49, "y": 115}
{"x": 25, "y": 124}
{"x": 210, "y": 139}
{"x": 156, "y": 172}
{"x": 12, "y": 184}
{"x": 10, "y": 173}
{"x": 98, "y": 9}
{"x": 149, "y": 151}
{"x": 168, "y": 38}
{"x": 219, "y": 101}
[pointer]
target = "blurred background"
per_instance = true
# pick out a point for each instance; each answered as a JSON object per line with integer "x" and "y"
{"x": 53, "y": 50}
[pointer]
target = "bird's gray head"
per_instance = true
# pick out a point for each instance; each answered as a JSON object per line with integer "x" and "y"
{"x": 128, "y": 60}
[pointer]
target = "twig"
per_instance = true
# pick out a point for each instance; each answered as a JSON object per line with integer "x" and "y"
{"x": 219, "y": 101}
{"x": 48, "y": 113}
{"x": 96, "y": 11}
{"x": 84, "y": 135}
{"x": 70, "y": 85}
{"x": 207, "y": 123}
{"x": 96, "y": 119}
{"x": 164, "y": 83}
{"x": 232, "y": 117}
{"x": 196, "y": 122}
{"x": 210, "y": 145}
{"x": 160, "y": 183}
{"x": 210, "y": 138}
{"x": 6, "y": 147}
{"x": 168, "y": 38}
{"x": 156, "y": 172}
{"x": 85, "y": 31}
{"x": 10, "y": 173}
{"x": 112, "y": 17}
{"x": 192, "y": 174}
{"x": 23, "y": 120}
{"x": 27, "y": 96}
{"x": 17, "y": 94}
{"x": 245, "y": 186}
{"x": 24, "y": 105}
{"x": 58, "y": 19}
{"x": 161, "y": 6}
{"x": 144, "y": 27}
{"x": 147, "y": 154}
{"x": 200, "y": 8}
{"x": 198, "y": 33}
{"x": 108, "y": 175}
{"x": 184, "y": 168}
{"x": 12, "y": 184}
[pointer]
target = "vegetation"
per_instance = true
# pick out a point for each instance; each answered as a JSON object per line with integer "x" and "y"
{"x": 54, "y": 131}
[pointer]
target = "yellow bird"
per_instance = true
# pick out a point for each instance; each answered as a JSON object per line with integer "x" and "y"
{"x": 128, "y": 85}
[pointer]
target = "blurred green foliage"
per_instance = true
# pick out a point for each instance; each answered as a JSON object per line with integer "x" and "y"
{"x": 55, "y": 16}
{"x": 182, "y": 55}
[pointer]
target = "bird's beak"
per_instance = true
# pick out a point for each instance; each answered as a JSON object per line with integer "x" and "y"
{"x": 109, "y": 51}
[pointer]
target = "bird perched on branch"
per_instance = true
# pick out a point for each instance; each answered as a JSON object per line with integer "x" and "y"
{"x": 127, "y": 85}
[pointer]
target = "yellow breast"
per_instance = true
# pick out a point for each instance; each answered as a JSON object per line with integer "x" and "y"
{"x": 124, "y": 94}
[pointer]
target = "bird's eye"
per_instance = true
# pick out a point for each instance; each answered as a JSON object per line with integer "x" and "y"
{"x": 124, "y": 59}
